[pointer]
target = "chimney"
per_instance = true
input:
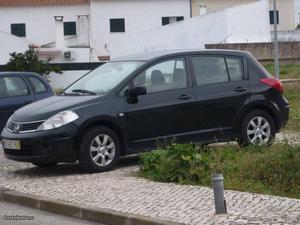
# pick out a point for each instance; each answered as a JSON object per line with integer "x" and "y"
{"x": 59, "y": 25}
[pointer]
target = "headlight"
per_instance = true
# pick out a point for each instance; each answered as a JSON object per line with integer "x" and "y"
{"x": 58, "y": 120}
{"x": 9, "y": 119}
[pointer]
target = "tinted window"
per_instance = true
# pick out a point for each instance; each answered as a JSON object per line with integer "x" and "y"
{"x": 117, "y": 25}
{"x": 38, "y": 86}
{"x": 18, "y": 29}
{"x": 235, "y": 69}
{"x": 210, "y": 69}
{"x": 69, "y": 28}
{"x": 12, "y": 86}
{"x": 167, "y": 75}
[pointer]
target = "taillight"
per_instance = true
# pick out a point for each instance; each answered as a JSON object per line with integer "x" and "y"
{"x": 274, "y": 83}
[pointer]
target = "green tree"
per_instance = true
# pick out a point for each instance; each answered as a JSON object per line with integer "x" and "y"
{"x": 29, "y": 62}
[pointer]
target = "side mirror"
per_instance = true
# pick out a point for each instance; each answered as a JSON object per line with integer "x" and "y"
{"x": 140, "y": 90}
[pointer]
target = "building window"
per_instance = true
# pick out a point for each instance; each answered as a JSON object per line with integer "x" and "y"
{"x": 271, "y": 14}
{"x": 202, "y": 10}
{"x": 117, "y": 25}
{"x": 69, "y": 28}
{"x": 18, "y": 29}
{"x": 172, "y": 19}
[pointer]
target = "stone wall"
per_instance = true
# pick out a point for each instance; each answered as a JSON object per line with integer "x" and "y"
{"x": 288, "y": 51}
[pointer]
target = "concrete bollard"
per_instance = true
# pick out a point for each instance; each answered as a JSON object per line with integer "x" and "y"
{"x": 218, "y": 187}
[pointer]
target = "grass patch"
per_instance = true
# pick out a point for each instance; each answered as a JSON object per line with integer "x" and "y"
{"x": 273, "y": 170}
{"x": 292, "y": 93}
{"x": 287, "y": 71}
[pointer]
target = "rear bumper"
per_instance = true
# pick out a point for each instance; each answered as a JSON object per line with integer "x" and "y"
{"x": 55, "y": 145}
{"x": 284, "y": 116}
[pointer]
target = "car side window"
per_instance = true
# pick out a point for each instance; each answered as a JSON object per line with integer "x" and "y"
{"x": 13, "y": 86}
{"x": 210, "y": 69}
{"x": 38, "y": 85}
{"x": 163, "y": 76}
{"x": 235, "y": 69}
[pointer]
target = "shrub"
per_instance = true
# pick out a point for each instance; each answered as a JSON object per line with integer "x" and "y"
{"x": 29, "y": 62}
{"x": 272, "y": 170}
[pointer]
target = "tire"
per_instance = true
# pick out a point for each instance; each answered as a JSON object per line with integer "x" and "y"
{"x": 38, "y": 164}
{"x": 258, "y": 128}
{"x": 99, "y": 150}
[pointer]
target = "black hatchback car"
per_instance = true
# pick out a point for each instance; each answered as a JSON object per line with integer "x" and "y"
{"x": 126, "y": 105}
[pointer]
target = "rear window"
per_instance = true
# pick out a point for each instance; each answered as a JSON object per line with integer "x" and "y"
{"x": 235, "y": 68}
{"x": 210, "y": 69}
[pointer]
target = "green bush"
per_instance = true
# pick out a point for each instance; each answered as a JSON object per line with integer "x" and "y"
{"x": 29, "y": 62}
{"x": 269, "y": 170}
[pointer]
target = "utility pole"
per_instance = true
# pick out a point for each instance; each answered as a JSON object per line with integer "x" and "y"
{"x": 276, "y": 52}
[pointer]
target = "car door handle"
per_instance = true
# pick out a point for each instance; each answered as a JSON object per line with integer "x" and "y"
{"x": 241, "y": 89}
{"x": 184, "y": 97}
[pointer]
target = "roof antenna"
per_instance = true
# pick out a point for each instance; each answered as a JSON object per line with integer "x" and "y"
{"x": 217, "y": 45}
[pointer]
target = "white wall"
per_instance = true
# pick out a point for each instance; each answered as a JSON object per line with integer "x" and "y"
{"x": 249, "y": 23}
{"x": 194, "y": 33}
{"x": 40, "y": 24}
{"x": 66, "y": 78}
{"x": 140, "y": 15}
{"x": 10, "y": 43}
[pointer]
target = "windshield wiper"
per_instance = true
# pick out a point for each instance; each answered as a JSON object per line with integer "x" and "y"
{"x": 84, "y": 91}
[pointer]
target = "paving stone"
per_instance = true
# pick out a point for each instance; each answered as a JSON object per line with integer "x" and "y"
{"x": 122, "y": 190}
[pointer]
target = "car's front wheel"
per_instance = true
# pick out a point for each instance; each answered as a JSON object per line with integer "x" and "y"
{"x": 99, "y": 150}
{"x": 258, "y": 128}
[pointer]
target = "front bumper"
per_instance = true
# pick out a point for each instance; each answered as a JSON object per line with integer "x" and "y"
{"x": 55, "y": 145}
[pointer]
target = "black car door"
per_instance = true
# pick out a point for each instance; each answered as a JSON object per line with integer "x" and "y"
{"x": 168, "y": 107}
{"x": 14, "y": 93}
{"x": 221, "y": 89}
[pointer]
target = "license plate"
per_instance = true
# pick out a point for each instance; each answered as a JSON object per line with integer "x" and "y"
{"x": 11, "y": 144}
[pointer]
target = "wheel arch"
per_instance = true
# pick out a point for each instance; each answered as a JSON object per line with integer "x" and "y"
{"x": 109, "y": 122}
{"x": 270, "y": 108}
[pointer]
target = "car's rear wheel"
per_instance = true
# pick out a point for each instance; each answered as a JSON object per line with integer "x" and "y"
{"x": 99, "y": 150}
{"x": 258, "y": 128}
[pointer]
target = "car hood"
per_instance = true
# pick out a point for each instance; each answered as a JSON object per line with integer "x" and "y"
{"x": 43, "y": 109}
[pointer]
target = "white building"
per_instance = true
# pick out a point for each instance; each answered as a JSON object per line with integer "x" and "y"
{"x": 79, "y": 30}
{"x": 86, "y": 30}
{"x": 231, "y": 25}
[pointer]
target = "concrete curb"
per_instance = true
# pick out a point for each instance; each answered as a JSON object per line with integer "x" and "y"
{"x": 95, "y": 214}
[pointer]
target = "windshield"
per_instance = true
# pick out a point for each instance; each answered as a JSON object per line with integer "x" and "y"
{"x": 103, "y": 79}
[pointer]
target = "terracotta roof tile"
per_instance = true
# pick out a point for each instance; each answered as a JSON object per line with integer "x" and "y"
{"x": 41, "y": 2}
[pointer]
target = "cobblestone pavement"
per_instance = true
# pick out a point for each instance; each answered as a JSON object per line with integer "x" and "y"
{"x": 122, "y": 190}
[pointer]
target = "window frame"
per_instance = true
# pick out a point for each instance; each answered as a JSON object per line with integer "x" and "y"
{"x": 70, "y": 22}
{"x": 242, "y": 64}
{"x": 153, "y": 63}
{"x": 164, "y": 18}
{"x": 271, "y": 17}
{"x": 25, "y": 82}
{"x": 18, "y": 24}
{"x": 193, "y": 75}
{"x": 32, "y": 86}
{"x": 110, "y": 25}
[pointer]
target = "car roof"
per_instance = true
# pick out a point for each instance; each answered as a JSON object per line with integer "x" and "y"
{"x": 148, "y": 56}
{"x": 18, "y": 73}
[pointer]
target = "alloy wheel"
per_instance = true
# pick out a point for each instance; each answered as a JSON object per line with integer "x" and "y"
{"x": 259, "y": 131}
{"x": 102, "y": 150}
